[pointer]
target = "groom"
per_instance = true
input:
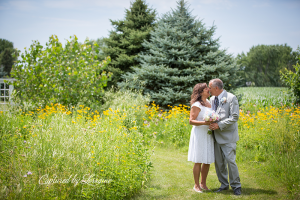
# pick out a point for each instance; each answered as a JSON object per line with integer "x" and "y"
{"x": 225, "y": 133}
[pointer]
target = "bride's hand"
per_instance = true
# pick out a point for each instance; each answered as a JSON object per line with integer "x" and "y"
{"x": 208, "y": 123}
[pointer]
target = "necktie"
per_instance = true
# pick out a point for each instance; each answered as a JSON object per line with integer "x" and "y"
{"x": 216, "y": 103}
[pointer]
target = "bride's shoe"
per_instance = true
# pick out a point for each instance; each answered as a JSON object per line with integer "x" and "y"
{"x": 204, "y": 189}
{"x": 197, "y": 190}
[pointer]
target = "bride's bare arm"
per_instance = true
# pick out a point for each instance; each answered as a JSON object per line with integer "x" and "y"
{"x": 193, "y": 115}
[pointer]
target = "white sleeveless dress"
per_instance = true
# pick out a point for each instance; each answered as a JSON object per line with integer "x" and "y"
{"x": 201, "y": 147}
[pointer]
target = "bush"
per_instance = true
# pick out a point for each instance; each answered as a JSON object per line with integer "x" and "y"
{"x": 292, "y": 79}
{"x": 58, "y": 74}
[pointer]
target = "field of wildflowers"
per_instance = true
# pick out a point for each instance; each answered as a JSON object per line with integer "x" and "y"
{"x": 56, "y": 152}
{"x": 79, "y": 146}
{"x": 269, "y": 126}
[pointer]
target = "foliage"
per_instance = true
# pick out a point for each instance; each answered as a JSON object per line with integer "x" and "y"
{"x": 124, "y": 42}
{"x": 97, "y": 46}
{"x": 57, "y": 74}
{"x": 181, "y": 52}
{"x": 262, "y": 64}
{"x": 292, "y": 79}
{"x": 6, "y": 57}
{"x": 79, "y": 143}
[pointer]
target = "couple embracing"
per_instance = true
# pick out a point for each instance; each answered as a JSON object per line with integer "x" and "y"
{"x": 220, "y": 146}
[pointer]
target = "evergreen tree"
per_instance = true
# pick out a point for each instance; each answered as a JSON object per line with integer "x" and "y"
{"x": 124, "y": 43}
{"x": 6, "y": 57}
{"x": 181, "y": 53}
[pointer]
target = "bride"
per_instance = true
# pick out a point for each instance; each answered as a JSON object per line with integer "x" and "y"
{"x": 201, "y": 147}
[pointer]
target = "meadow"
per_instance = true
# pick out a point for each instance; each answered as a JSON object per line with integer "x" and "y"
{"x": 55, "y": 152}
{"x": 105, "y": 152}
{"x": 269, "y": 126}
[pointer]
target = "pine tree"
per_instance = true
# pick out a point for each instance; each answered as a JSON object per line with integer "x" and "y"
{"x": 181, "y": 53}
{"x": 124, "y": 42}
{"x": 6, "y": 57}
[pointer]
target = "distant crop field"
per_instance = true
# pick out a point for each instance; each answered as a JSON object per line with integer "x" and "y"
{"x": 259, "y": 97}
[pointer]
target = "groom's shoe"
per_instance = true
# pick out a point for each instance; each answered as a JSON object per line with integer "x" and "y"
{"x": 237, "y": 191}
{"x": 221, "y": 189}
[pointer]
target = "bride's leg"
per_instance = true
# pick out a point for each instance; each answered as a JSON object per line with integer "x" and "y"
{"x": 204, "y": 172}
{"x": 196, "y": 172}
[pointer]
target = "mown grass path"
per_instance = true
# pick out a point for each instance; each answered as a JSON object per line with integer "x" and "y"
{"x": 172, "y": 178}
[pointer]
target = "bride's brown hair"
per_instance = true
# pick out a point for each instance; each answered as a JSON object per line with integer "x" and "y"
{"x": 196, "y": 95}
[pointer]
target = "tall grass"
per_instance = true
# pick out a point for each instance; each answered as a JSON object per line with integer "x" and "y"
{"x": 54, "y": 152}
{"x": 113, "y": 142}
{"x": 270, "y": 135}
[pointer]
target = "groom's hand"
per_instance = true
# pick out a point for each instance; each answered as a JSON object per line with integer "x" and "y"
{"x": 214, "y": 126}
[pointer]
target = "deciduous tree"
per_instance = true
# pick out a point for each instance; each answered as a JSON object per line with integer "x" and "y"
{"x": 60, "y": 74}
{"x": 263, "y": 63}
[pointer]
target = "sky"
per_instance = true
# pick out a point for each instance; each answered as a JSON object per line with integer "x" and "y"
{"x": 240, "y": 24}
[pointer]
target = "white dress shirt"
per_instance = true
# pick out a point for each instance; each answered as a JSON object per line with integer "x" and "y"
{"x": 219, "y": 98}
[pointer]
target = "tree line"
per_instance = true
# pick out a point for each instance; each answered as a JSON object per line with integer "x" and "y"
{"x": 263, "y": 63}
{"x": 164, "y": 57}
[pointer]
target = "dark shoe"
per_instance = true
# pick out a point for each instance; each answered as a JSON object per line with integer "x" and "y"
{"x": 237, "y": 191}
{"x": 221, "y": 189}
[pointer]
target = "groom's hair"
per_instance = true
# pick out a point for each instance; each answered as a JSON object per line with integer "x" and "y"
{"x": 217, "y": 82}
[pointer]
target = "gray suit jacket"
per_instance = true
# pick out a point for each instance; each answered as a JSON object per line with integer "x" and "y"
{"x": 229, "y": 115}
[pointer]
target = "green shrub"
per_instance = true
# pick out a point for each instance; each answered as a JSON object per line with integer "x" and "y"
{"x": 57, "y": 74}
{"x": 292, "y": 79}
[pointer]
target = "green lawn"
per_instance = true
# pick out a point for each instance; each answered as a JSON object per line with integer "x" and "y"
{"x": 172, "y": 178}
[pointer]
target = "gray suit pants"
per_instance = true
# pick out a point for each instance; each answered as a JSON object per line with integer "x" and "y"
{"x": 225, "y": 155}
